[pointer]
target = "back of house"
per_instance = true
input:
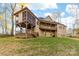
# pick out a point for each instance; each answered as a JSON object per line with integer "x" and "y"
{"x": 28, "y": 25}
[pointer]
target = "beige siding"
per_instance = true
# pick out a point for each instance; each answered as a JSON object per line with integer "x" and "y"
{"x": 44, "y": 33}
{"x": 19, "y": 18}
{"x": 48, "y": 34}
{"x": 61, "y": 30}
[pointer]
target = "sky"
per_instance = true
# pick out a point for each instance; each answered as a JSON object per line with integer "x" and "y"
{"x": 68, "y": 11}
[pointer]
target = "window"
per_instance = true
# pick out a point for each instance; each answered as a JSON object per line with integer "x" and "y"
{"x": 30, "y": 19}
{"x": 17, "y": 15}
{"x": 17, "y": 18}
{"x": 24, "y": 15}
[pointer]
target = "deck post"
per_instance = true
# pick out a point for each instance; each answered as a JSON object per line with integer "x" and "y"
{"x": 26, "y": 25}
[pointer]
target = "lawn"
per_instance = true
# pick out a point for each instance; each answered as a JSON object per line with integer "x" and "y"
{"x": 41, "y": 46}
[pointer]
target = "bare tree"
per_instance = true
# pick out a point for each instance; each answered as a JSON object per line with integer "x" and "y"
{"x": 4, "y": 19}
{"x": 57, "y": 16}
{"x": 12, "y": 6}
{"x": 8, "y": 7}
{"x": 74, "y": 14}
{"x": 1, "y": 21}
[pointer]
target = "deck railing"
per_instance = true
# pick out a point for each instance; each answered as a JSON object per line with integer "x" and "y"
{"x": 48, "y": 27}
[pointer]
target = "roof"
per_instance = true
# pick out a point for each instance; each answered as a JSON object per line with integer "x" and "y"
{"x": 40, "y": 18}
{"x": 20, "y": 10}
{"x": 48, "y": 18}
{"x": 61, "y": 24}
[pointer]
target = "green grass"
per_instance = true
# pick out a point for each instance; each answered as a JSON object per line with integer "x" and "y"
{"x": 41, "y": 46}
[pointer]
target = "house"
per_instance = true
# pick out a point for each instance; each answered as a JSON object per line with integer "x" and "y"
{"x": 76, "y": 32}
{"x": 31, "y": 26}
